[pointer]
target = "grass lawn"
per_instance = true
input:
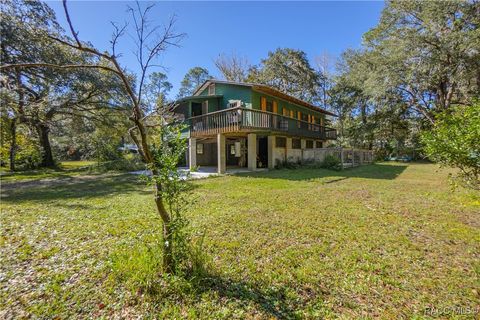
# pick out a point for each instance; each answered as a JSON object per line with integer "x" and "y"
{"x": 380, "y": 241}
{"x": 66, "y": 169}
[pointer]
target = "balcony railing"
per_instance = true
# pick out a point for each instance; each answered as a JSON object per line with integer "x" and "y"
{"x": 242, "y": 119}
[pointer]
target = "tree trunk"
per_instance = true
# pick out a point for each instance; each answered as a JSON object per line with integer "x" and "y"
{"x": 13, "y": 145}
{"x": 168, "y": 263}
{"x": 47, "y": 156}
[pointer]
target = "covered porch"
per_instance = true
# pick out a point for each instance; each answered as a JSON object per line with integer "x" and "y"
{"x": 230, "y": 152}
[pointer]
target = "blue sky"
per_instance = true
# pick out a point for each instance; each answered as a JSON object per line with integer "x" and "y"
{"x": 249, "y": 29}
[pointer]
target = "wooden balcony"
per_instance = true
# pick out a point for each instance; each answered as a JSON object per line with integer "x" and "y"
{"x": 250, "y": 120}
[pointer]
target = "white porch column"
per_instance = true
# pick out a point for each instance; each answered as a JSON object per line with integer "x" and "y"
{"x": 192, "y": 153}
{"x": 221, "y": 159}
{"x": 271, "y": 146}
{"x": 288, "y": 149}
{"x": 252, "y": 151}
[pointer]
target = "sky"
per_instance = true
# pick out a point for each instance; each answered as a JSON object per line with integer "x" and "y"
{"x": 248, "y": 29}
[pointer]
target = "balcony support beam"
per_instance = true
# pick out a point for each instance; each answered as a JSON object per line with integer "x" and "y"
{"x": 252, "y": 151}
{"x": 192, "y": 153}
{"x": 221, "y": 156}
{"x": 271, "y": 146}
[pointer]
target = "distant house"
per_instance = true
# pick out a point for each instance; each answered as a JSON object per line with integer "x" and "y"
{"x": 249, "y": 125}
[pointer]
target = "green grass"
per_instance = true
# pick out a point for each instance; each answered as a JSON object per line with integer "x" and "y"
{"x": 386, "y": 240}
{"x": 65, "y": 169}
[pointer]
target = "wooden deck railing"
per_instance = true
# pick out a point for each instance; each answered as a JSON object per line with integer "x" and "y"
{"x": 242, "y": 119}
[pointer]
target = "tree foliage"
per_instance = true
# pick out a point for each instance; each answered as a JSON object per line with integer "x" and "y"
{"x": 192, "y": 80}
{"x": 426, "y": 52}
{"x": 422, "y": 58}
{"x": 42, "y": 95}
{"x": 455, "y": 141}
{"x": 289, "y": 71}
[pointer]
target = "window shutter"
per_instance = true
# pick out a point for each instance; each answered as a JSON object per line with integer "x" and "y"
{"x": 275, "y": 107}
{"x": 299, "y": 115}
{"x": 263, "y": 103}
{"x": 292, "y": 114}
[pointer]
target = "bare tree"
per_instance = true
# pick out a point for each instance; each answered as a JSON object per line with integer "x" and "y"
{"x": 324, "y": 63}
{"x": 233, "y": 67}
{"x": 150, "y": 42}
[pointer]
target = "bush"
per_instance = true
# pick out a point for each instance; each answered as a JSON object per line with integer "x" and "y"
{"x": 289, "y": 164}
{"x": 127, "y": 163}
{"x": 331, "y": 162}
{"x": 454, "y": 141}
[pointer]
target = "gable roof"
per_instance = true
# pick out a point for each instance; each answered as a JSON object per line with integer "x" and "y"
{"x": 267, "y": 90}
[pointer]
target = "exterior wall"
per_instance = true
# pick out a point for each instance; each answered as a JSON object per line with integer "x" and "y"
{"x": 296, "y": 155}
{"x": 256, "y": 96}
{"x": 230, "y": 92}
{"x": 233, "y": 92}
{"x": 209, "y": 156}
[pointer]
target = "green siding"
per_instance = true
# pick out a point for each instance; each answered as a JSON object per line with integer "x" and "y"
{"x": 233, "y": 92}
{"x": 284, "y": 104}
{"x": 249, "y": 98}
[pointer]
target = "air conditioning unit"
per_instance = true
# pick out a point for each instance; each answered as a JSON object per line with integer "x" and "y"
{"x": 234, "y": 103}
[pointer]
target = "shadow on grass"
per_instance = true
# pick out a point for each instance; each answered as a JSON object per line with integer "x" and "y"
{"x": 273, "y": 301}
{"x": 373, "y": 171}
{"x": 73, "y": 188}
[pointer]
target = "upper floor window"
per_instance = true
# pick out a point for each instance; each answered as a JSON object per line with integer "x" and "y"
{"x": 269, "y": 106}
{"x": 309, "y": 144}
{"x": 211, "y": 89}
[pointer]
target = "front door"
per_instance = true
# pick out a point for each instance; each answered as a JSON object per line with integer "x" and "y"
{"x": 232, "y": 160}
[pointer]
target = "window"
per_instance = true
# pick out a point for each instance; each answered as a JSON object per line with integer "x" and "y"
{"x": 309, "y": 144}
{"x": 211, "y": 89}
{"x": 296, "y": 144}
{"x": 275, "y": 107}
{"x": 285, "y": 112}
{"x": 319, "y": 144}
{"x": 280, "y": 142}
{"x": 232, "y": 149}
{"x": 199, "y": 148}
{"x": 292, "y": 114}
{"x": 269, "y": 106}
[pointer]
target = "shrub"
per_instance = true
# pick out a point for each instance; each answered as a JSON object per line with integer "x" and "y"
{"x": 454, "y": 141}
{"x": 127, "y": 163}
{"x": 289, "y": 164}
{"x": 331, "y": 162}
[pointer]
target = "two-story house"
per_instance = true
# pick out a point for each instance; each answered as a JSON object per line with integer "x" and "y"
{"x": 250, "y": 125}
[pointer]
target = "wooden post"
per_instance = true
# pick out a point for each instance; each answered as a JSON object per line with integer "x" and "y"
{"x": 252, "y": 151}
{"x": 192, "y": 153}
{"x": 270, "y": 147}
{"x": 221, "y": 156}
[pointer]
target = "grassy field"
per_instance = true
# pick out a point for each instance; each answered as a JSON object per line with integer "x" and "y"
{"x": 65, "y": 169}
{"x": 380, "y": 241}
